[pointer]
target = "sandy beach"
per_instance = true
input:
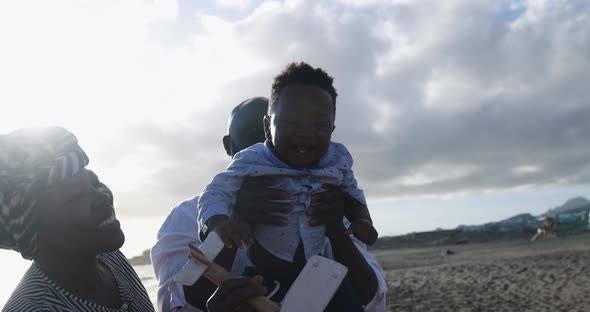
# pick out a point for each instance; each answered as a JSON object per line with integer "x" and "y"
{"x": 547, "y": 275}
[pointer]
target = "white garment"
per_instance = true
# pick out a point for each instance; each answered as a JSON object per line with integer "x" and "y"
{"x": 171, "y": 252}
{"x": 335, "y": 168}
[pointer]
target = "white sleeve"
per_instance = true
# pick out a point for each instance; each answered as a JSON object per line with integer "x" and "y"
{"x": 170, "y": 254}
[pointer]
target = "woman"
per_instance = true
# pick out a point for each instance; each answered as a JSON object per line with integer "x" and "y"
{"x": 58, "y": 214}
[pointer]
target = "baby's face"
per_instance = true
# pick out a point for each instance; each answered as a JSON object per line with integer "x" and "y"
{"x": 301, "y": 125}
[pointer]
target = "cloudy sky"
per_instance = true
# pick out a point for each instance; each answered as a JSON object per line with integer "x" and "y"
{"x": 455, "y": 111}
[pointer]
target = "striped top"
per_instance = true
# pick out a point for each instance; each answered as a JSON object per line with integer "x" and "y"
{"x": 36, "y": 292}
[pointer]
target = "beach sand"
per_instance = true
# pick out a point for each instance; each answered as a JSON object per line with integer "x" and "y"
{"x": 546, "y": 275}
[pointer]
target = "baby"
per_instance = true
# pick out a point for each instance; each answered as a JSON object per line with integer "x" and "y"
{"x": 301, "y": 160}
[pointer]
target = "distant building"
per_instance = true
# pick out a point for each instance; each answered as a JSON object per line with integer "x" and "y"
{"x": 519, "y": 223}
{"x": 577, "y": 219}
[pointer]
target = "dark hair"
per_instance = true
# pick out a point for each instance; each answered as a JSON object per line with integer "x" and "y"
{"x": 301, "y": 73}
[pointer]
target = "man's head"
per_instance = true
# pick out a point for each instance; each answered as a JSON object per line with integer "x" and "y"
{"x": 245, "y": 125}
{"x": 301, "y": 114}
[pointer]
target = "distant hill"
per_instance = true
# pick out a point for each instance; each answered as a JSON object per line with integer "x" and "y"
{"x": 518, "y": 223}
{"x": 142, "y": 259}
{"x": 571, "y": 204}
{"x": 527, "y": 221}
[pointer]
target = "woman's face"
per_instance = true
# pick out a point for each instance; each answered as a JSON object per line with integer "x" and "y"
{"x": 77, "y": 216}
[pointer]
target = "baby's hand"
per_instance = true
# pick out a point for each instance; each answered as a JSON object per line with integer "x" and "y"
{"x": 231, "y": 230}
{"x": 363, "y": 230}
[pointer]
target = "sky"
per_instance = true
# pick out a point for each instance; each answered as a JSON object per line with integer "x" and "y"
{"x": 456, "y": 111}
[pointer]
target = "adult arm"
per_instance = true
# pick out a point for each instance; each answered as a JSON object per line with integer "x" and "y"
{"x": 169, "y": 255}
{"x": 198, "y": 293}
{"x": 379, "y": 302}
{"x": 254, "y": 203}
{"x": 328, "y": 208}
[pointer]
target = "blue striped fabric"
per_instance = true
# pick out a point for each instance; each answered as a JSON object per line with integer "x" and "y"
{"x": 36, "y": 292}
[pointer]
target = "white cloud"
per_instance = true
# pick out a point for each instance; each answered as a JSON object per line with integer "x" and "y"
{"x": 235, "y": 4}
{"x": 526, "y": 169}
{"x": 435, "y": 98}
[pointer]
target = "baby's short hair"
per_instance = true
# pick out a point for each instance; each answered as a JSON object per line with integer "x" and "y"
{"x": 305, "y": 74}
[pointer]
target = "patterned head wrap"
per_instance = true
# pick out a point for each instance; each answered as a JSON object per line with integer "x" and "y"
{"x": 32, "y": 160}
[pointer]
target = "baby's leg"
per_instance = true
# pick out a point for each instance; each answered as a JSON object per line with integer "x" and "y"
{"x": 273, "y": 266}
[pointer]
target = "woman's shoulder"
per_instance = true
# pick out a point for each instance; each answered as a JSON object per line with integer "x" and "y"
{"x": 30, "y": 294}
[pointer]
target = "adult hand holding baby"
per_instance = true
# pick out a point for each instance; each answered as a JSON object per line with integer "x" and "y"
{"x": 257, "y": 202}
{"x": 332, "y": 205}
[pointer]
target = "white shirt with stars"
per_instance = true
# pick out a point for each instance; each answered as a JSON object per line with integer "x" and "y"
{"x": 334, "y": 168}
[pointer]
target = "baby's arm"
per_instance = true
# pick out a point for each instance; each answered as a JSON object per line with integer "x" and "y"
{"x": 356, "y": 210}
{"x": 362, "y": 224}
{"x": 216, "y": 203}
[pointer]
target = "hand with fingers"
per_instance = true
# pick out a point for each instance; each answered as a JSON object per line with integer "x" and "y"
{"x": 257, "y": 202}
{"x": 233, "y": 294}
{"x": 330, "y": 206}
{"x": 231, "y": 230}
